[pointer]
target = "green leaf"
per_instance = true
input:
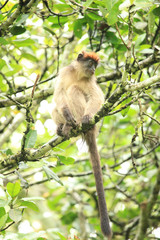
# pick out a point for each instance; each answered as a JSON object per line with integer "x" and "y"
{"x": 61, "y": 236}
{"x": 51, "y": 175}
{"x": 112, "y": 18}
{"x": 40, "y": 238}
{"x": 70, "y": 160}
{"x": 62, "y": 7}
{"x": 125, "y": 111}
{"x": 156, "y": 11}
{"x": 31, "y": 138}
{"x": 29, "y": 57}
{"x": 89, "y": 21}
{"x": 94, "y": 16}
{"x": 77, "y": 28}
{"x": 30, "y": 199}
{"x": 69, "y": 217}
{"x": 3, "y": 85}
{"x": 9, "y": 151}
{"x": 23, "y": 42}
{"x": 87, "y": 3}
{"x": 15, "y": 69}
{"x": 3, "y": 41}
{"x": 111, "y": 37}
{"x": 6, "y": 151}
{"x": 66, "y": 160}
{"x": 3, "y": 220}
{"x": 2, "y": 211}
{"x": 13, "y": 189}
{"x": 151, "y": 23}
{"x": 30, "y": 205}
{"x": 103, "y": 11}
{"x": 142, "y": 4}
{"x": 147, "y": 51}
{"x": 56, "y": 21}
{"x": 15, "y": 215}
{"x": 2, "y": 63}
{"x": 108, "y": 4}
{"x": 17, "y": 30}
{"x": 140, "y": 39}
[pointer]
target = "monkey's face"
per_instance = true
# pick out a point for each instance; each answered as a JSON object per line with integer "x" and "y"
{"x": 88, "y": 66}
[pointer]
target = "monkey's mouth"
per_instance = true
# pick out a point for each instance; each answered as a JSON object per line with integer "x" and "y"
{"x": 90, "y": 71}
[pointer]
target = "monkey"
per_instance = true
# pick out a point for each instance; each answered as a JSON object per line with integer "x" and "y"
{"x": 77, "y": 99}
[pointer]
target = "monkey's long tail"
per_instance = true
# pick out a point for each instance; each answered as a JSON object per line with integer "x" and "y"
{"x": 95, "y": 160}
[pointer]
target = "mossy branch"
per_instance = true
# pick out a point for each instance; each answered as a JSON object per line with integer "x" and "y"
{"x": 31, "y": 155}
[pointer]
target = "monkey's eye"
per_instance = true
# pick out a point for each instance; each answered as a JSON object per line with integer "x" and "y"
{"x": 90, "y": 63}
{"x": 80, "y": 56}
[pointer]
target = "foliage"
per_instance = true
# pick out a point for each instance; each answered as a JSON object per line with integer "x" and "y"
{"x": 47, "y": 186}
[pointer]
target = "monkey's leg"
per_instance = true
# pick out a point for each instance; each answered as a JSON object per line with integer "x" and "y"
{"x": 68, "y": 116}
{"x": 59, "y": 120}
{"x": 66, "y": 129}
{"x": 63, "y": 125}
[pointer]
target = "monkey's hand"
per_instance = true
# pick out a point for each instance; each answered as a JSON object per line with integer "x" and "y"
{"x": 86, "y": 119}
{"x": 68, "y": 116}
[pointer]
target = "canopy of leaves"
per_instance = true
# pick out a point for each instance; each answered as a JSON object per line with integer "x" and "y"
{"x": 47, "y": 189}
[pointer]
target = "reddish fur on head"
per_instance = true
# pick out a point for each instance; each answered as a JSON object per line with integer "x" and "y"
{"x": 91, "y": 55}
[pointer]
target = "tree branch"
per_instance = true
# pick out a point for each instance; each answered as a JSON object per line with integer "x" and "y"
{"x": 31, "y": 155}
{"x": 42, "y": 94}
{"x": 110, "y": 76}
{"x": 146, "y": 63}
{"x": 142, "y": 85}
{"x": 11, "y": 128}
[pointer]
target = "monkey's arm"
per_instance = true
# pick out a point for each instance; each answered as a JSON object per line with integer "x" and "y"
{"x": 96, "y": 99}
{"x": 61, "y": 101}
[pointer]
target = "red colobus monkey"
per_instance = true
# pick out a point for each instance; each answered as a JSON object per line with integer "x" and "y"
{"x": 78, "y": 98}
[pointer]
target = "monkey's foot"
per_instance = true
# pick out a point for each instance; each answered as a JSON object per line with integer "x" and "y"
{"x": 86, "y": 119}
{"x": 66, "y": 129}
{"x": 60, "y": 129}
{"x": 68, "y": 116}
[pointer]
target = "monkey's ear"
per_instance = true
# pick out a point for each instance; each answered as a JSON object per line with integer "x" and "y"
{"x": 80, "y": 56}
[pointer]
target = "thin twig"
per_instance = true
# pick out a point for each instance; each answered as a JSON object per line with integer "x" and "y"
{"x": 132, "y": 155}
{"x": 34, "y": 86}
{"x": 57, "y": 14}
{"x": 121, "y": 36}
{"x": 4, "y": 4}
{"x": 81, "y": 6}
{"x": 151, "y": 117}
